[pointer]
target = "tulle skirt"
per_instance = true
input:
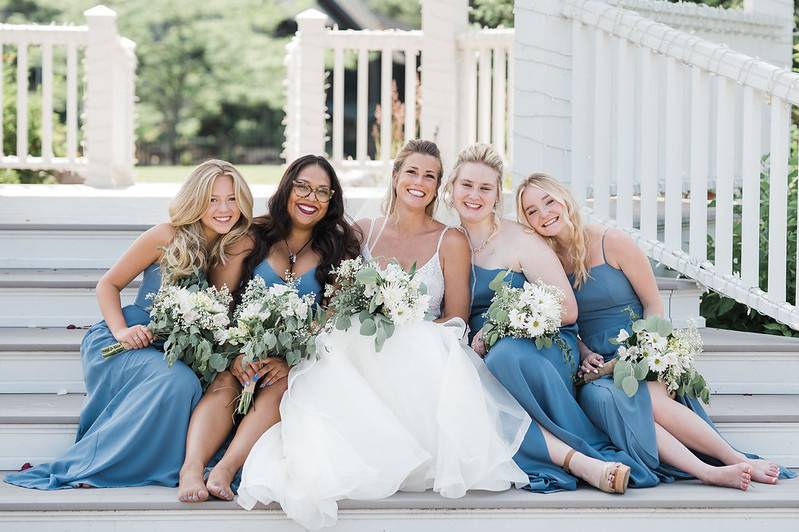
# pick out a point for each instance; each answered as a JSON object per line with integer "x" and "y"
{"x": 422, "y": 413}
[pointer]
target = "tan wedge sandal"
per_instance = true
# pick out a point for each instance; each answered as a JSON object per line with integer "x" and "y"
{"x": 620, "y": 472}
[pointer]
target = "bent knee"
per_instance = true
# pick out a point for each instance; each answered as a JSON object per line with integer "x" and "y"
{"x": 224, "y": 381}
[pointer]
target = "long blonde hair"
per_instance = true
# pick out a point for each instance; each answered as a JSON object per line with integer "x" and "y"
{"x": 424, "y": 147}
{"x": 483, "y": 154}
{"x": 189, "y": 251}
{"x": 577, "y": 254}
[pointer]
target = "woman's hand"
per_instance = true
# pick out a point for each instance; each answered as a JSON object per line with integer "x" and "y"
{"x": 478, "y": 344}
{"x": 272, "y": 370}
{"x": 244, "y": 371}
{"x": 591, "y": 363}
{"x": 136, "y": 337}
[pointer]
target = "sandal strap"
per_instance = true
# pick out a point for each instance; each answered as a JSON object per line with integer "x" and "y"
{"x": 568, "y": 459}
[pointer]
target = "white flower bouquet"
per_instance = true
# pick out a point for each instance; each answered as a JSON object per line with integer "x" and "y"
{"x": 382, "y": 298}
{"x": 533, "y": 311}
{"x": 192, "y": 319}
{"x": 657, "y": 351}
{"x": 273, "y": 321}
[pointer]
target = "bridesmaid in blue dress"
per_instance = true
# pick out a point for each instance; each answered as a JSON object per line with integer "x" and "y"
{"x": 304, "y": 236}
{"x": 562, "y": 445}
{"x": 137, "y": 410}
{"x": 673, "y": 436}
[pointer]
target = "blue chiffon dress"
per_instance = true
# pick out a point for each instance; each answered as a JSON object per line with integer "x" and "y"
{"x": 306, "y": 284}
{"x": 541, "y": 380}
{"x": 132, "y": 429}
{"x": 602, "y": 303}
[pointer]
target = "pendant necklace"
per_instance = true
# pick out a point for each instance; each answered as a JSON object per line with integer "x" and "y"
{"x": 293, "y": 256}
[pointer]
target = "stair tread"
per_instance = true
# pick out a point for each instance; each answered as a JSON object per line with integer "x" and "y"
{"x": 54, "y": 278}
{"x": 684, "y": 494}
{"x": 33, "y": 408}
{"x": 716, "y": 340}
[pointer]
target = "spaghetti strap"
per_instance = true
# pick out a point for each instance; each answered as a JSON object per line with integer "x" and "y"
{"x": 441, "y": 238}
{"x": 604, "y": 259}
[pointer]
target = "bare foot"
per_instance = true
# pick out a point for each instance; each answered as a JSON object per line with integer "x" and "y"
{"x": 192, "y": 487}
{"x": 219, "y": 482}
{"x": 764, "y": 471}
{"x": 735, "y": 476}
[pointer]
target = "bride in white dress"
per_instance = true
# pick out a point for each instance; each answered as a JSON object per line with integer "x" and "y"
{"x": 422, "y": 413}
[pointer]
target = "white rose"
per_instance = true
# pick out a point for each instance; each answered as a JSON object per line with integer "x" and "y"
{"x": 623, "y": 335}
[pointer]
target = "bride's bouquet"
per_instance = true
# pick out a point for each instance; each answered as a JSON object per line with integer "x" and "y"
{"x": 656, "y": 351}
{"x": 193, "y": 318}
{"x": 533, "y": 311}
{"x": 382, "y": 298}
{"x": 273, "y": 321}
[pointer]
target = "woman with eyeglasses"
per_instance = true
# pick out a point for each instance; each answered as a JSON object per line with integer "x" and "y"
{"x": 303, "y": 236}
{"x": 421, "y": 413}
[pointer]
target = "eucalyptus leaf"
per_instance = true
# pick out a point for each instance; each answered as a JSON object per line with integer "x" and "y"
{"x": 368, "y": 327}
{"x": 630, "y": 385}
{"x": 641, "y": 370}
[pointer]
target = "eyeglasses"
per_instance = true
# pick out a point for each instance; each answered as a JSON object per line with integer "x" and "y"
{"x": 303, "y": 190}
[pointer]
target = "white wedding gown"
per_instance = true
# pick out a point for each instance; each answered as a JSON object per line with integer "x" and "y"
{"x": 422, "y": 413}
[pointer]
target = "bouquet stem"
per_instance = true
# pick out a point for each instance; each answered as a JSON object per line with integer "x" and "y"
{"x": 111, "y": 350}
{"x": 245, "y": 400}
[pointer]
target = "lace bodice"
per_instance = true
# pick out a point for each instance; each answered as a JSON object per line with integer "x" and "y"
{"x": 429, "y": 273}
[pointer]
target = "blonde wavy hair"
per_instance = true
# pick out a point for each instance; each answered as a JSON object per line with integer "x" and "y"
{"x": 577, "y": 254}
{"x": 189, "y": 251}
{"x": 484, "y": 154}
{"x": 424, "y": 147}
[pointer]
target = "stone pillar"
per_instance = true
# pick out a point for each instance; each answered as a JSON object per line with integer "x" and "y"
{"x": 309, "y": 120}
{"x": 442, "y": 22}
{"x": 109, "y": 163}
{"x": 542, "y": 121}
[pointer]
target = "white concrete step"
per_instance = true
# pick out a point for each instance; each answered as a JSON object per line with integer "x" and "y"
{"x": 36, "y": 428}
{"x": 47, "y": 360}
{"x": 52, "y": 297}
{"x": 685, "y": 506}
{"x": 65, "y": 246}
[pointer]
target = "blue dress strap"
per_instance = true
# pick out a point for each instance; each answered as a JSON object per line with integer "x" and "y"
{"x": 604, "y": 258}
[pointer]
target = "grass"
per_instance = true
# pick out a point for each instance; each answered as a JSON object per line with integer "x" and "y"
{"x": 253, "y": 173}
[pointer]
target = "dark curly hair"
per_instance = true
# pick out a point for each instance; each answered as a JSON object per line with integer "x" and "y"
{"x": 332, "y": 238}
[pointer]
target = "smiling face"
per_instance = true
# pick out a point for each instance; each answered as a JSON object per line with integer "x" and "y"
{"x": 223, "y": 210}
{"x": 308, "y": 211}
{"x": 545, "y": 214}
{"x": 417, "y": 181}
{"x": 475, "y": 192}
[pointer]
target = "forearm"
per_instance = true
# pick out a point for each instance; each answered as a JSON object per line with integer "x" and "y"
{"x": 108, "y": 298}
{"x": 584, "y": 351}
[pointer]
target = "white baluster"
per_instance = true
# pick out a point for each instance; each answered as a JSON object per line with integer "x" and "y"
{"x": 338, "y": 104}
{"x": 511, "y": 98}
{"x": 602, "y": 117}
{"x": 410, "y": 94}
{"x": 648, "y": 159}
{"x": 469, "y": 104}
{"x": 673, "y": 163}
{"x": 2, "y": 98}
{"x": 581, "y": 111}
{"x": 625, "y": 133}
{"x": 485, "y": 95}
{"x": 47, "y": 103}
{"x": 72, "y": 103}
{"x": 22, "y": 101}
{"x": 778, "y": 205}
{"x": 362, "y": 120}
{"x": 724, "y": 176}
{"x": 700, "y": 103}
{"x": 499, "y": 89}
{"x": 386, "y": 63}
{"x": 752, "y": 130}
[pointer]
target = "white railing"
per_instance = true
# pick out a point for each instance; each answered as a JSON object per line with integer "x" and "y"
{"x": 487, "y": 103}
{"x": 108, "y": 61}
{"x": 668, "y": 114}
{"x": 466, "y": 97}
